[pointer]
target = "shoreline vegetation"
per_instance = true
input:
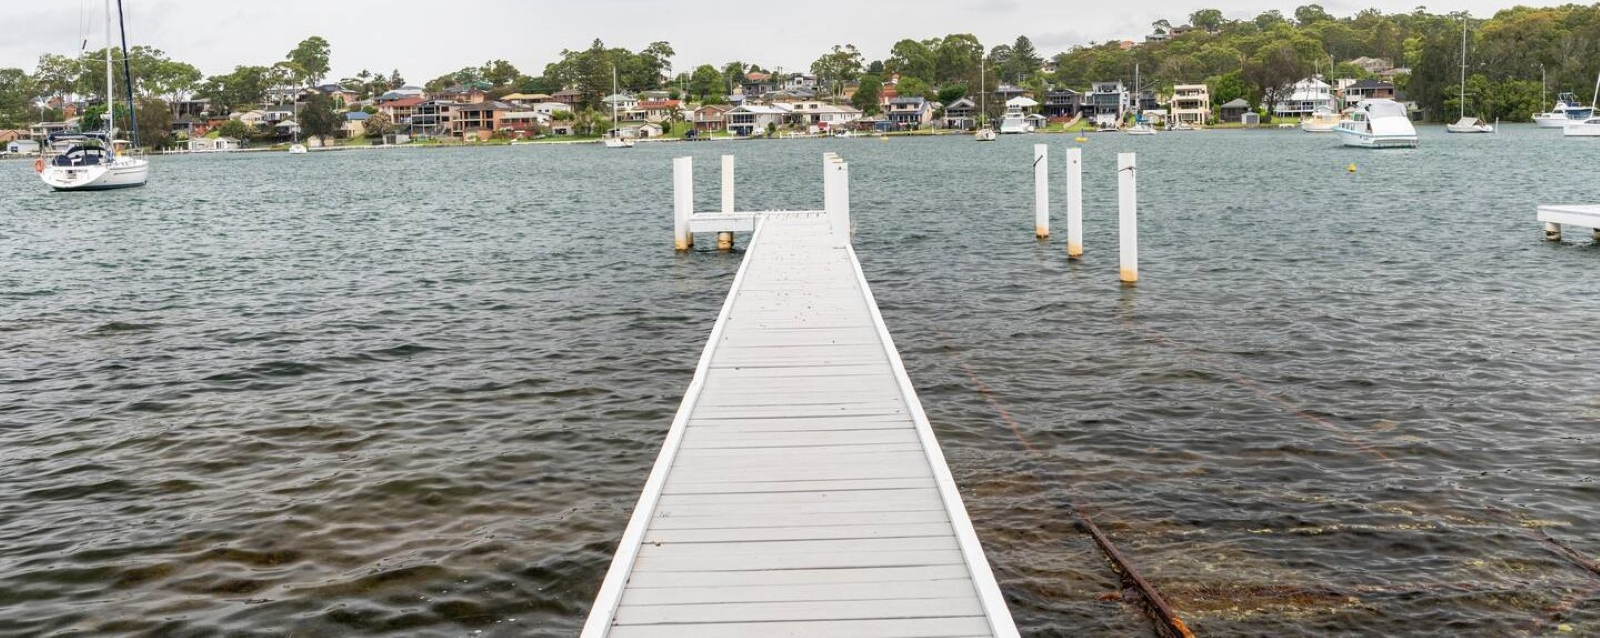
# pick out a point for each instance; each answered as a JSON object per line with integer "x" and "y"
{"x": 1517, "y": 60}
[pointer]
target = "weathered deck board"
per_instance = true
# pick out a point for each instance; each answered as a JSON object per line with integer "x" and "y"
{"x": 800, "y": 491}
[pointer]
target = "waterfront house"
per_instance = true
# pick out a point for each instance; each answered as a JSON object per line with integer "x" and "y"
{"x": 1305, "y": 98}
{"x": 252, "y": 119}
{"x": 400, "y": 110}
{"x": 1191, "y": 103}
{"x": 276, "y": 114}
{"x": 20, "y": 147}
{"x": 619, "y": 101}
{"x": 342, "y": 97}
{"x": 523, "y": 124}
{"x": 1106, "y": 103}
{"x": 961, "y": 114}
{"x": 525, "y": 98}
{"x": 659, "y": 110}
{"x": 355, "y": 124}
{"x": 429, "y": 119}
{"x": 477, "y": 121}
{"x": 710, "y": 118}
{"x": 754, "y": 119}
{"x": 820, "y": 116}
{"x": 1369, "y": 89}
{"x": 1233, "y": 111}
{"x": 1005, "y": 92}
{"x": 550, "y": 108}
{"x": 909, "y": 112}
{"x": 1061, "y": 103}
{"x": 42, "y": 130}
{"x": 212, "y": 144}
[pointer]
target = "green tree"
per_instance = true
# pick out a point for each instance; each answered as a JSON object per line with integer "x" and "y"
{"x": 1310, "y": 14}
{"x": 1025, "y": 60}
{"x": 317, "y": 118}
{"x": 243, "y": 88}
{"x": 837, "y": 67}
{"x": 1209, "y": 19}
{"x": 378, "y": 125}
{"x": 500, "y": 72}
{"x": 311, "y": 58}
{"x": 705, "y": 81}
{"x": 235, "y": 129}
{"x": 17, "y": 93}
{"x": 1274, "y": 70}
{"x": 910, "y": 58}
{"x": 867, "y": 93}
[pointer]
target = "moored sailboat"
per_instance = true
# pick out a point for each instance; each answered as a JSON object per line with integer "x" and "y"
{"x": 99, "y": 161}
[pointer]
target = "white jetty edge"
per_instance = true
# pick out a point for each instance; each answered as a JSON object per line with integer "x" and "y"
{"x": 800, "y": 490}
{"x": 1581, "y": 216}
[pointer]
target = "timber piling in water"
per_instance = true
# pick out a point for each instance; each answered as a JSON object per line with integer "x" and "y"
{"x": 800, "y": 490}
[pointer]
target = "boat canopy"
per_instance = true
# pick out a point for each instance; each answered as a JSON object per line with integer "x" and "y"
{"x": 1383, "y": 108}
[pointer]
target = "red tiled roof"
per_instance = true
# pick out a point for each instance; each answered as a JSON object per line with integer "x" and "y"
{"x": 652, "y": 105}
{"x": 403, "y": 102}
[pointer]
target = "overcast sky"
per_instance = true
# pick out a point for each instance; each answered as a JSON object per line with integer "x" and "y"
{"x": 427, "y": 38}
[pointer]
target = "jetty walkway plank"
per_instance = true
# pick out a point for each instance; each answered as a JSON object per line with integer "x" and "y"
{"x": 800, "y": 490}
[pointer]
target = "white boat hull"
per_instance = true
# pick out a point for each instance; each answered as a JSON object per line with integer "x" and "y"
{"x": 1469, "y": 128}
{"x": 985, "y": 135}
{"x": 1313, "y": 126}
{"x": 618, "y": 143}
{"x": 1367, "y": 140}
{"x": 1550, "y": 120}
{"x": 1581, "y": 129}
{"x": 123, "y": 173}
{"x": 298, "y": 149}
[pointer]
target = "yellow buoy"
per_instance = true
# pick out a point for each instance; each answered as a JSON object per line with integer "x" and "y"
{"x": 1082, "y": 139}
{"x": 1351, "y": 168}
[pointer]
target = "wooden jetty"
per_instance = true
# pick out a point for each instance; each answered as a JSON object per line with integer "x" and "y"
{"x": 800, "y": 490}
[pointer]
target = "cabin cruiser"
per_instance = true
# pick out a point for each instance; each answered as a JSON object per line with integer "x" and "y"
{"x": 90, "y": 162}
{"x": 1323, "y": 120}
{"x": 1015, "y": 122}
{"x": 1378, "y": 123}
{"x": 1566, "y": 111}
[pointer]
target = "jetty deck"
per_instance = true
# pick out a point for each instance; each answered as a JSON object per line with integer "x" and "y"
{"x": 800, "y": 490}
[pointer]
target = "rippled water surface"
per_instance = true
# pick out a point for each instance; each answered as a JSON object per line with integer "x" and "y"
{"x": 415, "y": 393}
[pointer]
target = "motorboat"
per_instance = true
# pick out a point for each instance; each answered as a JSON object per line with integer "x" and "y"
{"x": 1015, "y": 122}
{"x": 1141, "y": 127}
{"x": 1469, "y": 125}
{"x": 1378, "y": 123}
{"x": 99, "y": 161}
{"x": 1180, "y": 126}
{"x": 1587, "y": 127}
{"x": 297, "y": 149}
{"x": 617, "y": 141}
{"x": 1323, "y": 120}
{"x": 1566, "y": 111}
{"x": 94, "y": 164}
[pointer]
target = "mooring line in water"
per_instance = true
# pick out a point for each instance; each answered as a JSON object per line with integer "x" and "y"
{"x": 1556, "y": 546}
{"x": 1167, "y": 621}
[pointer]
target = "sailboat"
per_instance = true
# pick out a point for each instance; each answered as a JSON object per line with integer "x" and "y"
{"x": 99, "y": 161}
{"x": 985, "y": 134}
{"x": 1466, "y": 124}
{"x": 615, "y": 139}
{"x": 297, "y": 148}
{"x": 1589, "y": 127}
{"x": 1141, "y": 126}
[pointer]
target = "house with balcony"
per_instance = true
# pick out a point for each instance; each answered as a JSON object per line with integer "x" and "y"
{"x": 961, "y": 114}
{"x": 1367, "y": 90}
{"x": 1190, "y": 104}
{"x": 800, "y": 83}
{"x": 401, "y": 109}
{"x": 523, "y": 124}
{"x": 1061, "y": 103}
{"x": 569, "y": 97}
{"x": 711, "y": 118}
{"x": 1305, "y": 98}
{"x": 819, "y": 117}
{"x": 430, "y": 119}
{"x": 1106, "y": 103}
{"x": 468, "y": 93}
{"x": 755, "y": 119}
{"x": 756, "y": 83}
{"x": 477, "y": 121}
{"x": 909, "y": 112}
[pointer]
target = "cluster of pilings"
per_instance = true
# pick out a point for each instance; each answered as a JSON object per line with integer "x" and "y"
{"x": 686, "y": 222}
{"x": 1127, "y": 206}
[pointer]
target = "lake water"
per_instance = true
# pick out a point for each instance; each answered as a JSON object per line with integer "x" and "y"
{"x": 415, "y": 393}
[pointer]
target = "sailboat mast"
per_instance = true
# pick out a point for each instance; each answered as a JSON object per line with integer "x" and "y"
{"x": 111, "y": 121}
{"x": 1463, "y": 68}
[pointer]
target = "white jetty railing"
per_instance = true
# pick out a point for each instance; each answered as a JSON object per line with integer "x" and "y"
{"x": 1581, "y": 216}
{"x": 800, "y": 490}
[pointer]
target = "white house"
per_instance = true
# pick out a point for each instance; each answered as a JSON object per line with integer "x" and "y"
{"x": 1307, "y": 96}
{"x": 549, "y": 108}
{"x": 820, "y": 116}
{"x": 753, "y": 119}
{"x": 212, "y": 144}
{"x": 1191, "y": 103}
